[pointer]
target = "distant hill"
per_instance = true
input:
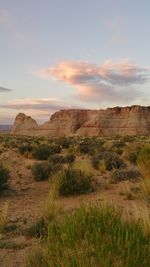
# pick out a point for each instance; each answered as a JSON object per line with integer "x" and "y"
{"x": 5, "y": 127}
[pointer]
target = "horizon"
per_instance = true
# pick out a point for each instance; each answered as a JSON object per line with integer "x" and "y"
{"x": 28, "y": 115}
{"x": 72, "y": 54}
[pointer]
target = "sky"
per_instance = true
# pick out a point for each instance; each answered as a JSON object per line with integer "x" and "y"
{"x": 60, "y": 54}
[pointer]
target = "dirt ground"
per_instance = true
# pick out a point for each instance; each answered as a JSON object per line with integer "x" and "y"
{"x": 25, "y": 201}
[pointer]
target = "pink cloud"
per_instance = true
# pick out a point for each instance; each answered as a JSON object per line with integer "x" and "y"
{"x": 39, "y": 108}
{"x": 106, "y": 82}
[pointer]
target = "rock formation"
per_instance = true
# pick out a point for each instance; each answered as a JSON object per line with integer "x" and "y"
{"x": 121, "y": 121}
{"x": 24, "y": 124}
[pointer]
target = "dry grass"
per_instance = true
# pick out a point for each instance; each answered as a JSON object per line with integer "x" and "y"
{"x": 127, "y": 191}
{"x": 144, "y": 167}
{"x": 3, "y": 217}
{"x": 84, "y": 165}
{"x": 102, "y": 167}
{"x": 145, "y": 189}
{"x": 51, "y": 208}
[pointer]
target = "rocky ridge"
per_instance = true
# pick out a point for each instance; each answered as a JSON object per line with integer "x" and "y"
{"x": 121, "y": 121}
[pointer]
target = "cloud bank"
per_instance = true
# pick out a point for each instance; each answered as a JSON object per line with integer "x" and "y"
{"x": 4, "y": 90}
{"x": 106, "y": 82}
{"x": 39, "y": 108}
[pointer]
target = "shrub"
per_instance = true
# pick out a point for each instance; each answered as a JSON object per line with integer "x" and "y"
{"x": 42, "y": 171}
{"x": 91, "y": 146}
{"x": 70, "y": 158}
{"x": 25, "y": 148}
{"x": 64, "y": 142}
{"x": 95, "y": 161}
{"x": 73, "y": 182}
{"x": 38, "y": 229}
{"x": 57, "y": 159}
{"x": 42, "y": 152}
{"x": 131, "y": 153}
{"x": 111, "y": 160}
{"x": 4, "y": 177}
{"x": 122, "y": 175}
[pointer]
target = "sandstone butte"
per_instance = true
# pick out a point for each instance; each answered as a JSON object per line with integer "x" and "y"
{"x": 117, "y": 121}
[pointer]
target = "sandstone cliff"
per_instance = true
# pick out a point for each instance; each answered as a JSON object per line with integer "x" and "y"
{"x": 134, "y": 120}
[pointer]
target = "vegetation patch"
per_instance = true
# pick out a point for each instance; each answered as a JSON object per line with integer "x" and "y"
{"x": 73, "y": 181}
{"x": 122, "y": 175}
{"x": 4, "y": 177}
{"x": 93, "y": 236}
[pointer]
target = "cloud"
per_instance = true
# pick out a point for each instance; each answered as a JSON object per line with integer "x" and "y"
{"x": 40, "y": 104}
{"x": 106, "y": 82}
{"x": 39, "y": 108}
{"x": 4, "y": 90}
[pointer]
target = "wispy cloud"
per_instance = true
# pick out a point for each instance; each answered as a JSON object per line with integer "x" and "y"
{"x": 4, "y": 90}
{"x": 47, "y": 104}
{"x": 106, "y": 82}
{"x": 39, "y": 108}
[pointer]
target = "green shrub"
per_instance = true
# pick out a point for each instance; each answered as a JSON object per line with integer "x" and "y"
{"x": 95, "y": 161}
{"x": 91, "y": 146}
{"x": 43, "y": 152}
{"x": 42, "y": 171}
{"x": 57, "y": 159}
{"x": 70, "y": 158}
{"x": 122, "y": 175}
{"x": 111, "y": 160}
{"x": 64, "y": 142}
{"x": 73, "y": 182}
{"x": 4, "y": 177}
{"x": 25, "y": 148}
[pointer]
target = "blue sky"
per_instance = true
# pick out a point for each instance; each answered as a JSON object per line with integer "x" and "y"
{"x": 72, "y": 54}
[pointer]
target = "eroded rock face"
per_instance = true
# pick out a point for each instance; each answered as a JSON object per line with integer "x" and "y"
{"x": 24, "y": 124}
{"x": 134, "y": 120}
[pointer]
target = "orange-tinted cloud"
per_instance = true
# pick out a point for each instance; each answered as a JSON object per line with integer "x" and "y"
{"x": 39, "y": 108}
{"x": 108, "y": 81}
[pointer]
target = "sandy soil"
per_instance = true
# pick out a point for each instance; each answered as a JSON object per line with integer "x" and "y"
{"x": 25, "y": 200}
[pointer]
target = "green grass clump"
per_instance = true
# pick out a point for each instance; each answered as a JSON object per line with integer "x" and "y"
{"x": 73, "y": 181}
{"x": 93, "y": 236}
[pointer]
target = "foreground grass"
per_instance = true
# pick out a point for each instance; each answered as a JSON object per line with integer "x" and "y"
{"x": 3, "y": 218}
{"x": 93, "y": 236}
